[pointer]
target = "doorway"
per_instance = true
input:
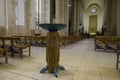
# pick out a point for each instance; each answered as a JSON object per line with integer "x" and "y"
{"x": 93, "y": 24}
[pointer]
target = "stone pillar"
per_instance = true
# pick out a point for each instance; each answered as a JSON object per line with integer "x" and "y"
{"x": 32, "y": 17}
{"x": 72, "y": 17}
{"x": 45, "y": 14}
{"x": 66, "y": 16}
{"x": 75, "y": 17}
{"x": 2, "y": 18}
{"x": 15, "y": 28}
{"x": 42, "y": 9}
{"x": 114, "y": 18}
{"x": 58, "y": 16}
{"x": 59, "y": 13}
{"x": 62, "y": 14}
{"x": 79, "y": 15}
{"x": 27, "y": 17}
{"x": 118, "y": 17}
{"x": 111, "y": 17}
{"x": 10, "y": 17}
{"x": 51, "y": 10}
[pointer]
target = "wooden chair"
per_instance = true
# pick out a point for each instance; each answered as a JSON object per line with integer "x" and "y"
{"x": 43, "y": 41}
{"x": 27, "y": 40}
{"x": 63, "y": 41}
{"x": 3, "y": 51}
{"x": 18, "y": 47}
{"x": 6, "y": 43}
{"x": 38, "y": 41}
{"x": 118, "y": 61}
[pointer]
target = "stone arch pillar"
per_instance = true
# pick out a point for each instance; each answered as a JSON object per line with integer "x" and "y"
{"x": 62, "y": 14}
{"x": 111, "y": 18}
{"x": 27, "y": 17}
{"x": 11, "y": 28}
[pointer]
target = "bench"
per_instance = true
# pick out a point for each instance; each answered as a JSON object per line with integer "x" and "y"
{"x": 106, "y": 42}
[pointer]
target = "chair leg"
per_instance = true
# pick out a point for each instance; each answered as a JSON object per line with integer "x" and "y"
{"x": 12, "y": 54}
{"x": 6, "y": 56}
{"x": 117, "y": 61}
{"x": 29, "y": 51}
{"x": 21, "y": 53}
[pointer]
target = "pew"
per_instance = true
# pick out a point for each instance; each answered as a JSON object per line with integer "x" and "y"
{"x": 106, "y": 42}
{"x": 67, "y": 40}
{"x": 41, "y": 40}
{"x": 111, "y": 43}
{"x": 99, "y": 42}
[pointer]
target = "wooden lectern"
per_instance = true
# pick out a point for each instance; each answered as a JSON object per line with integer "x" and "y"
{"x": 52, "y": 48}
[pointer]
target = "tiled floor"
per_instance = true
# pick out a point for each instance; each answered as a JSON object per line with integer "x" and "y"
{"x": 79, "y": 59}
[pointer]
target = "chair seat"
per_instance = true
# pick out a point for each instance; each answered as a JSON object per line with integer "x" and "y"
{"x": 2, "y": 50}
{"x": 21, "y": 46}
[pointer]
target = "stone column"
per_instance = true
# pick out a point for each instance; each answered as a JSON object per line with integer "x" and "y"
{"x": 79, "y": 15}
{"x": 2, "y": 18}
{"x": 66, "y": 16}
{"x": 27, "y": 17}
{"x": 114, "y": 18}
{"x": 111, "y": 17}
{"x": 32, "y": 17}
{"x": 59, "y": 13}
{"x": 118, "y": 17}
{"x": 72, "y": 16}
{"x": 45, "y": 14}
{"x": 10, "y": 17}
{"x": 15, "y": 28}
{"x": 75, "y": 17}
{"x": 51, "y": 10}
{"x": 62, "y": 13}
{"x": 42, "y": 14}
{"x": 58, "y": 16}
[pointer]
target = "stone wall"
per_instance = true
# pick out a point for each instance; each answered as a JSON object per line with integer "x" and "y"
{"x": 2, "y": 31}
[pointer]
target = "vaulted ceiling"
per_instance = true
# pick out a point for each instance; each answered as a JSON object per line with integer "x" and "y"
{"x": 87, "y": 3}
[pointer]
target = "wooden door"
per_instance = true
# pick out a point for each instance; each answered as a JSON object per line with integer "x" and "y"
{"x": 93, "y": 24}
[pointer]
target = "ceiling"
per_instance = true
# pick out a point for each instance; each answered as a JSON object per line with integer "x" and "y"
{"x": 87, "y": 3}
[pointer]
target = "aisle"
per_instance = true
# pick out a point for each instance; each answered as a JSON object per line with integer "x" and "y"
{"x": 79, "y": 59}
